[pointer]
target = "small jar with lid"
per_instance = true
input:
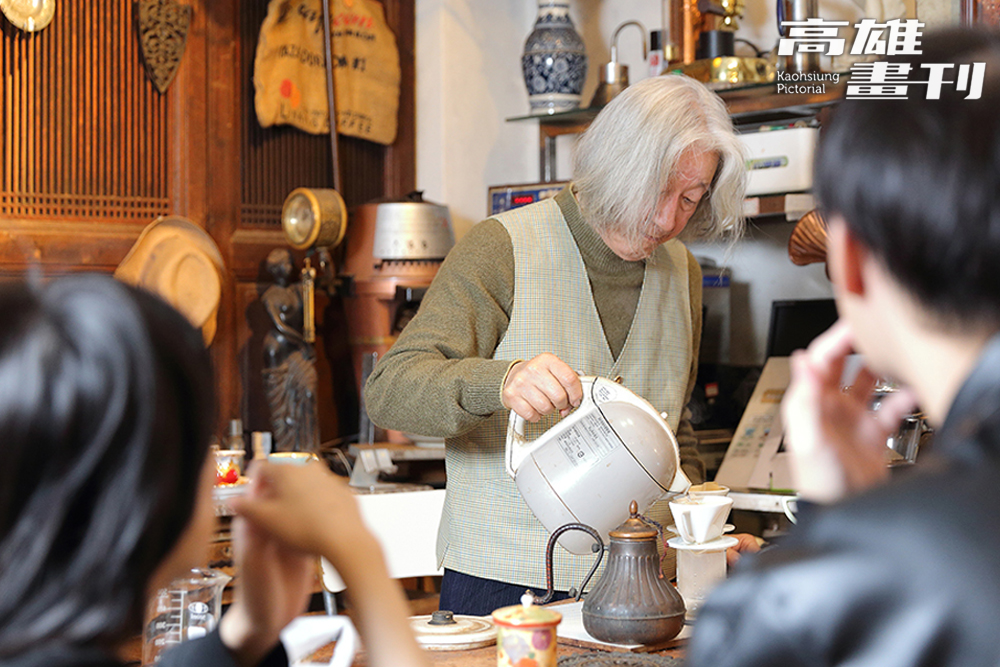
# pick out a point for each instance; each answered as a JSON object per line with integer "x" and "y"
{"x": 526, "y": 634}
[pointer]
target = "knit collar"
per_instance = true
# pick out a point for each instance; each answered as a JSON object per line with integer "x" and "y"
{"x": 595, "y": 252}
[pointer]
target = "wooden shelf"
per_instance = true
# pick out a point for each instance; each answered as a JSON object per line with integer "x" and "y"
{"x": 750, "y": 106}
{"x": 790, "y": 206}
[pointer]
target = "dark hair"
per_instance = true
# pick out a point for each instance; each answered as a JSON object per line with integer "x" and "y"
{"x": 918, "y": 180}
{"x": 106, "y": 409}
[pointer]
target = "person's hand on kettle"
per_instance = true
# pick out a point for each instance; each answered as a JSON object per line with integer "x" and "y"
{"x": 540, "y": 386}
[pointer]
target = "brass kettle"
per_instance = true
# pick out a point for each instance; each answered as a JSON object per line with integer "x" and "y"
{"x": 632, "y": 603}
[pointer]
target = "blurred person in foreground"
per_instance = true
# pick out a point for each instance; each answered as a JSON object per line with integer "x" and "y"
{"x": 106, "y": 409}
{"x": 595, "y": 280}
{"x": 900, "y": 572}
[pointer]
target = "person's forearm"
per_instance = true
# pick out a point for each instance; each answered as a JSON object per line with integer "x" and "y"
{"x": 381, "y": 612}
{"x": 440, "y": 378}
{"x": 247, "y": 644}
{"x": 418, "y": 390}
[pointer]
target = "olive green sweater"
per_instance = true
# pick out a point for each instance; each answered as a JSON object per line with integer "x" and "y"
{"x": 439, "y": 379}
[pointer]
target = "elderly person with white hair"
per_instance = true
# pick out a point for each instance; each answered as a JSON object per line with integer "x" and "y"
{"x": 595, "y": 281}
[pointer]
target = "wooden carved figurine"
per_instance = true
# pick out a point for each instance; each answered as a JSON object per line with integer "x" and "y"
{"x": 289, "y": 371}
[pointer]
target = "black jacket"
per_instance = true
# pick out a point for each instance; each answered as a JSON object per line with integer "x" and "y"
{"x": 205, "y": 652}
{"x": 907, "y": 574}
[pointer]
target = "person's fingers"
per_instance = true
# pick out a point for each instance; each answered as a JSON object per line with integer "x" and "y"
{"x": 800, "y": 368}
{"x": 894, "y": 407}
{"x": 837, "y": 341}
{"x": 569, "y": 381}
{"x": 271, "y": 496}
{"x": 546, "y": 394}
{"x": 862, "y": 387}
{"x": 540, "y": 386}
{"x": 257, "y": 511}
{"x": 523, "y": 408}
{"x": 748, "y": 544}
{"x": 556, "y": 378}
{"x": 543, "y": 385}
{"x": 516, "y": 394}
{"x": 801, "y": 399}
{"x": 826, "y": 354}
{"x": 533, "y": 405}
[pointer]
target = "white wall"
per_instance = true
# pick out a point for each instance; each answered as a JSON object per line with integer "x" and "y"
{"x": 760, "y": 272}
{"x": 469, "y": 82}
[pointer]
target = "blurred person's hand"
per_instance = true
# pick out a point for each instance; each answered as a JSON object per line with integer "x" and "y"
{"x": 837, "y": 444}
{"x": 747, "y": 544}
{"x": 307, "y": 508}
{"x": 310, "y": 510}
{"x": 275, "y": 584}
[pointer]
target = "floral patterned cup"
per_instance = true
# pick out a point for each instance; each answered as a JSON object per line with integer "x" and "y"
{"x": 526, "y": 635}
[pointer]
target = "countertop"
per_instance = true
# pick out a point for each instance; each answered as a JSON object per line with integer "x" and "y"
{"x": 481, "y": 657}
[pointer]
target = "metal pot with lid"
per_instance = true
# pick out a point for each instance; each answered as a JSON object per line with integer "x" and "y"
{"x": 633, "y": 603}
{"x": 408, "y": 228}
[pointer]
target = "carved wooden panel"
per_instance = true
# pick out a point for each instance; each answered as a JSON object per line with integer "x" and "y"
{"x": 83, "y": 132}
{"x": 91, "y": 152}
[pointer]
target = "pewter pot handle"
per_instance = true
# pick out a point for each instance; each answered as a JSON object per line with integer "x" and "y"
{"x": 549, "y": 576}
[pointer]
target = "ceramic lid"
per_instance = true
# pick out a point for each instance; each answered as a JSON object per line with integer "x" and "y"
{"x": 634, "y": 528}
{"x": 444, "y": 631}
{"x": 526, "y": 615}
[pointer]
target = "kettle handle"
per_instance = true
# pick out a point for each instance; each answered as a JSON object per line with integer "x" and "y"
{"x": 517, "y": 447}
{"x": 550, "y": 547}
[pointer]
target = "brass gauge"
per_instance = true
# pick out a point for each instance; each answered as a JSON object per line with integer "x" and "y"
{"x": 314, "y": 217}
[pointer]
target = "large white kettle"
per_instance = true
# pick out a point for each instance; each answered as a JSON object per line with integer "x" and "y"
{"x": 611, "y": 450}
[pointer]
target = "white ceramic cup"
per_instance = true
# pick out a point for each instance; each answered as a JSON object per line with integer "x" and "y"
{"x": 700, "y": 519}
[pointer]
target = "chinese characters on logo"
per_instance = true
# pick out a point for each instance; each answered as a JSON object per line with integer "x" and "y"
{"x": 876, "y": 79}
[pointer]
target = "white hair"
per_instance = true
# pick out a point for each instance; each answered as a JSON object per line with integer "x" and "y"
{"x": 630, "y": 153}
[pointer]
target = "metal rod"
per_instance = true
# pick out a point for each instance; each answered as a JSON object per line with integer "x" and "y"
{"x": 308, "y": 302}
{"x": 802, "y": 10}
{"x": 330, "y": 97}
{"x": 547, "y": 157}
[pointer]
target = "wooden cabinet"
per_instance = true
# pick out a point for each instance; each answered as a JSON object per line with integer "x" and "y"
{"x": 91, "y": 152}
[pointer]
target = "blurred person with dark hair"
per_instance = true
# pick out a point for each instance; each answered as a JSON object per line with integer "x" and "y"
{"x": 903, "y": 571}
{"x": 106, "y": 409}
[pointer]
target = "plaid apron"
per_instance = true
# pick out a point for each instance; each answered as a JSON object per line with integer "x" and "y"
{"x": 487, "y": 530}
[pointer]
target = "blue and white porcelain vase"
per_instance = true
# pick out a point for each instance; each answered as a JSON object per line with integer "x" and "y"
{"x": 554, "y": 60}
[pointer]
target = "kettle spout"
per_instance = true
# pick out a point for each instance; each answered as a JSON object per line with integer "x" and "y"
{"x": 681, "y": 482}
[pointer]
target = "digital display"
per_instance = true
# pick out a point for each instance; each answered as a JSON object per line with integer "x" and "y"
{"x": 506, "y": 197}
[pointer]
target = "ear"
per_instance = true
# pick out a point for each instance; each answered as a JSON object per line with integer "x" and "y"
{"x": 846, "y": 256}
